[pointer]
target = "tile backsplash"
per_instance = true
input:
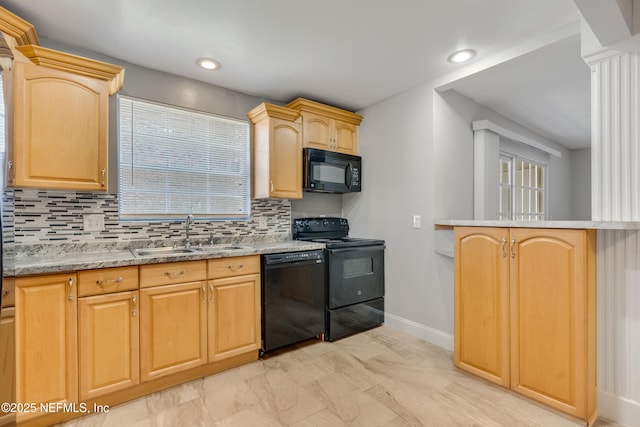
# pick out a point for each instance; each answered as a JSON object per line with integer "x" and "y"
{"x": 34, "y": 217}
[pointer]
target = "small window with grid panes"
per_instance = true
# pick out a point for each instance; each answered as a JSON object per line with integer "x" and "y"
{"x": 522, "y": 189}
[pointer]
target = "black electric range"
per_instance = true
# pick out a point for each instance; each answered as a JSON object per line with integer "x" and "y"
{"x": 355, "y": 275}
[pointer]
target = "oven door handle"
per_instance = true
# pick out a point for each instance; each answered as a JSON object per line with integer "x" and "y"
{"x": 357, "y": 248}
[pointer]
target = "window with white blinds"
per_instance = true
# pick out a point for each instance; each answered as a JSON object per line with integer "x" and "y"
{"x": 174, "y": 162}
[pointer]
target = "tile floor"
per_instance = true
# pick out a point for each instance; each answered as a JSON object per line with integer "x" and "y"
{"x": 381, "y": 377}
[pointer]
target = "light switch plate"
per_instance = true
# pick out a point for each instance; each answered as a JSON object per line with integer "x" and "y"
{"x": 417, "y": 221}
{"x": 93, "y": 222}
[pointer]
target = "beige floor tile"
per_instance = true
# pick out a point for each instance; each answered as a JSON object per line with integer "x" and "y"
{"x": 381, "y": 377}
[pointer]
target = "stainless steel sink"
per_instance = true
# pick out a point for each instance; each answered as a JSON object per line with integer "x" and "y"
{"x": 168, "y": 250}
{"x": 219, "y": 248}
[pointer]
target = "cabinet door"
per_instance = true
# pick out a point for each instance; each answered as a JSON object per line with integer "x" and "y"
{"x": 552, "y": 303}
{"x": 285, "y": 161}
{"x": 481, "y": 310}
{"x": 7, "y": 360}
{"x": 108, "y": 339}
{"x": 60, "y": 129}
{"x": 317, "y": 131}
{"x": 46, "y": 340}
{"x": 234, "y": 316}
{"x": 346, "y": 137}
{"x": 173, "y": 329}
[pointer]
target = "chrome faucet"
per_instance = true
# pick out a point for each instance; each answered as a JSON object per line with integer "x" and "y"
{"x": 188, "y": 223}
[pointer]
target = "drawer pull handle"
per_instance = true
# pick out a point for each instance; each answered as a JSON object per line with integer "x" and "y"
{"x": 204, "y": 294}
{"x": 70, "y": 288}
{"x": 133, "y": 300}
{"x": 210, "y": 292}
{"x": 170, "y": 274}
{"x": 504, "y": 247}
{"x": 235, "y": 267}
{"x": 513, "y": 242}
{"x": 116, "y": 280}
{"x": 104, "y": 171}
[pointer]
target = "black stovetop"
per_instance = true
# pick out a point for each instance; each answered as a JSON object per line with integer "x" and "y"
{"x": 334, "y": 232}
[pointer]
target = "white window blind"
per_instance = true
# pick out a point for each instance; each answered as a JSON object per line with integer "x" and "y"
{"x": 175, "y": 162}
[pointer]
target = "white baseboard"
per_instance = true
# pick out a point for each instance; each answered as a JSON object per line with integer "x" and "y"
{"x": 619, "y": 409}
{"x": 434, "y": 336}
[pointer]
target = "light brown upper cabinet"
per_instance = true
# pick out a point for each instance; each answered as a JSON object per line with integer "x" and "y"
{"x": 525, "y": 311}
{"x": 57, "y": 113}
{"x": 327, "y": 128}
{"x": 277, "y": 152}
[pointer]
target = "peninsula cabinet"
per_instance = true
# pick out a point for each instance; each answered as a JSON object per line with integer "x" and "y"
{"x": 46, "y": 340}
{"x": 173, "y": 318}
{"x": 327, "y": 128}
{"x": 277, "y": 152}
{"x": 234, "y": 306}
{"x": 524, "y": 308}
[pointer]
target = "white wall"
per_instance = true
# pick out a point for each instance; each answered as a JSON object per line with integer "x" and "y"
{"x": 581, "y": 184}
{"x": 396, "y": 144}
{"x": 453, "y": 152}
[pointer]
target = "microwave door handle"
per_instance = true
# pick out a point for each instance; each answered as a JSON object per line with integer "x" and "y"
{"x": 347, "y": 176}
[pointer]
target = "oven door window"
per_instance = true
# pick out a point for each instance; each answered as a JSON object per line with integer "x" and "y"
{"x": 355, "y": 275}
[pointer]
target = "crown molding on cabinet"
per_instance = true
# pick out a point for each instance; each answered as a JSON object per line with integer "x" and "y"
{"x": 302, "y": 104}
{"x": 270, "y": 110}
{"x": 16, "y": 27}
{"x": 75, "y": 64}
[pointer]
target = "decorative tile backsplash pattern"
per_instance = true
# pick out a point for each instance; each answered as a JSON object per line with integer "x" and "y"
{"x": 42, "y": 217}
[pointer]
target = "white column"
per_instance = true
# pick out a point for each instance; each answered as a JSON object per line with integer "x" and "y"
{"x": 615, "y": 155}
{"x": 486, "y": 148}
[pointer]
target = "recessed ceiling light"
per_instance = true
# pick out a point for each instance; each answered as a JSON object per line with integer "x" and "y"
{"x": 460, "y": 56}
{"x": 208, "y": 64}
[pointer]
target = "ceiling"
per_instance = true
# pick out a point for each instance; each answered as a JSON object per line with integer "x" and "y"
{"x": 350, "y": 54}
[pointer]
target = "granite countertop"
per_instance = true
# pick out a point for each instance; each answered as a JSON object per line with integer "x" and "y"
{"x": 85, "y": 260}
{"x": 598, "y": 225}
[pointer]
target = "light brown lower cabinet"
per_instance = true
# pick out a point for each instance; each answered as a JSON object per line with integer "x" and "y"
{"x": 7, "y": 362}
{"x": 173, "y": 329}
{"x": 234, "y": 306}
{"x": 525, "y": 313}
{"x": 46, "y": 341}
{"x": 134, "y": 330}
{"x": 108, "y": 341}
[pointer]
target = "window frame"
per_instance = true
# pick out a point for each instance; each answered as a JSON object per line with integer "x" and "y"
{"x": 513, "y": 214}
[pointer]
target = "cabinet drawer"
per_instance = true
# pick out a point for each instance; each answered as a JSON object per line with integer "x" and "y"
{"x": 234, "y": 266}
{"x": 172, "y": 272}
{"x": 8, "y": 292}
{"x": 107, "y": 280}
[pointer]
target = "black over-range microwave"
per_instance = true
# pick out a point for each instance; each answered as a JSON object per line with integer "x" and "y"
{"x": 331, "y": 172}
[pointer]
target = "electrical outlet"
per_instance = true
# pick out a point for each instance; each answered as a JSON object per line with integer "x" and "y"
{"x": 93, "y": 222}
{"x": 417, "y": 221}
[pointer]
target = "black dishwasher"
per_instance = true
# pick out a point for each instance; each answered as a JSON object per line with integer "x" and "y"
{"x": 293, "y": 298}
